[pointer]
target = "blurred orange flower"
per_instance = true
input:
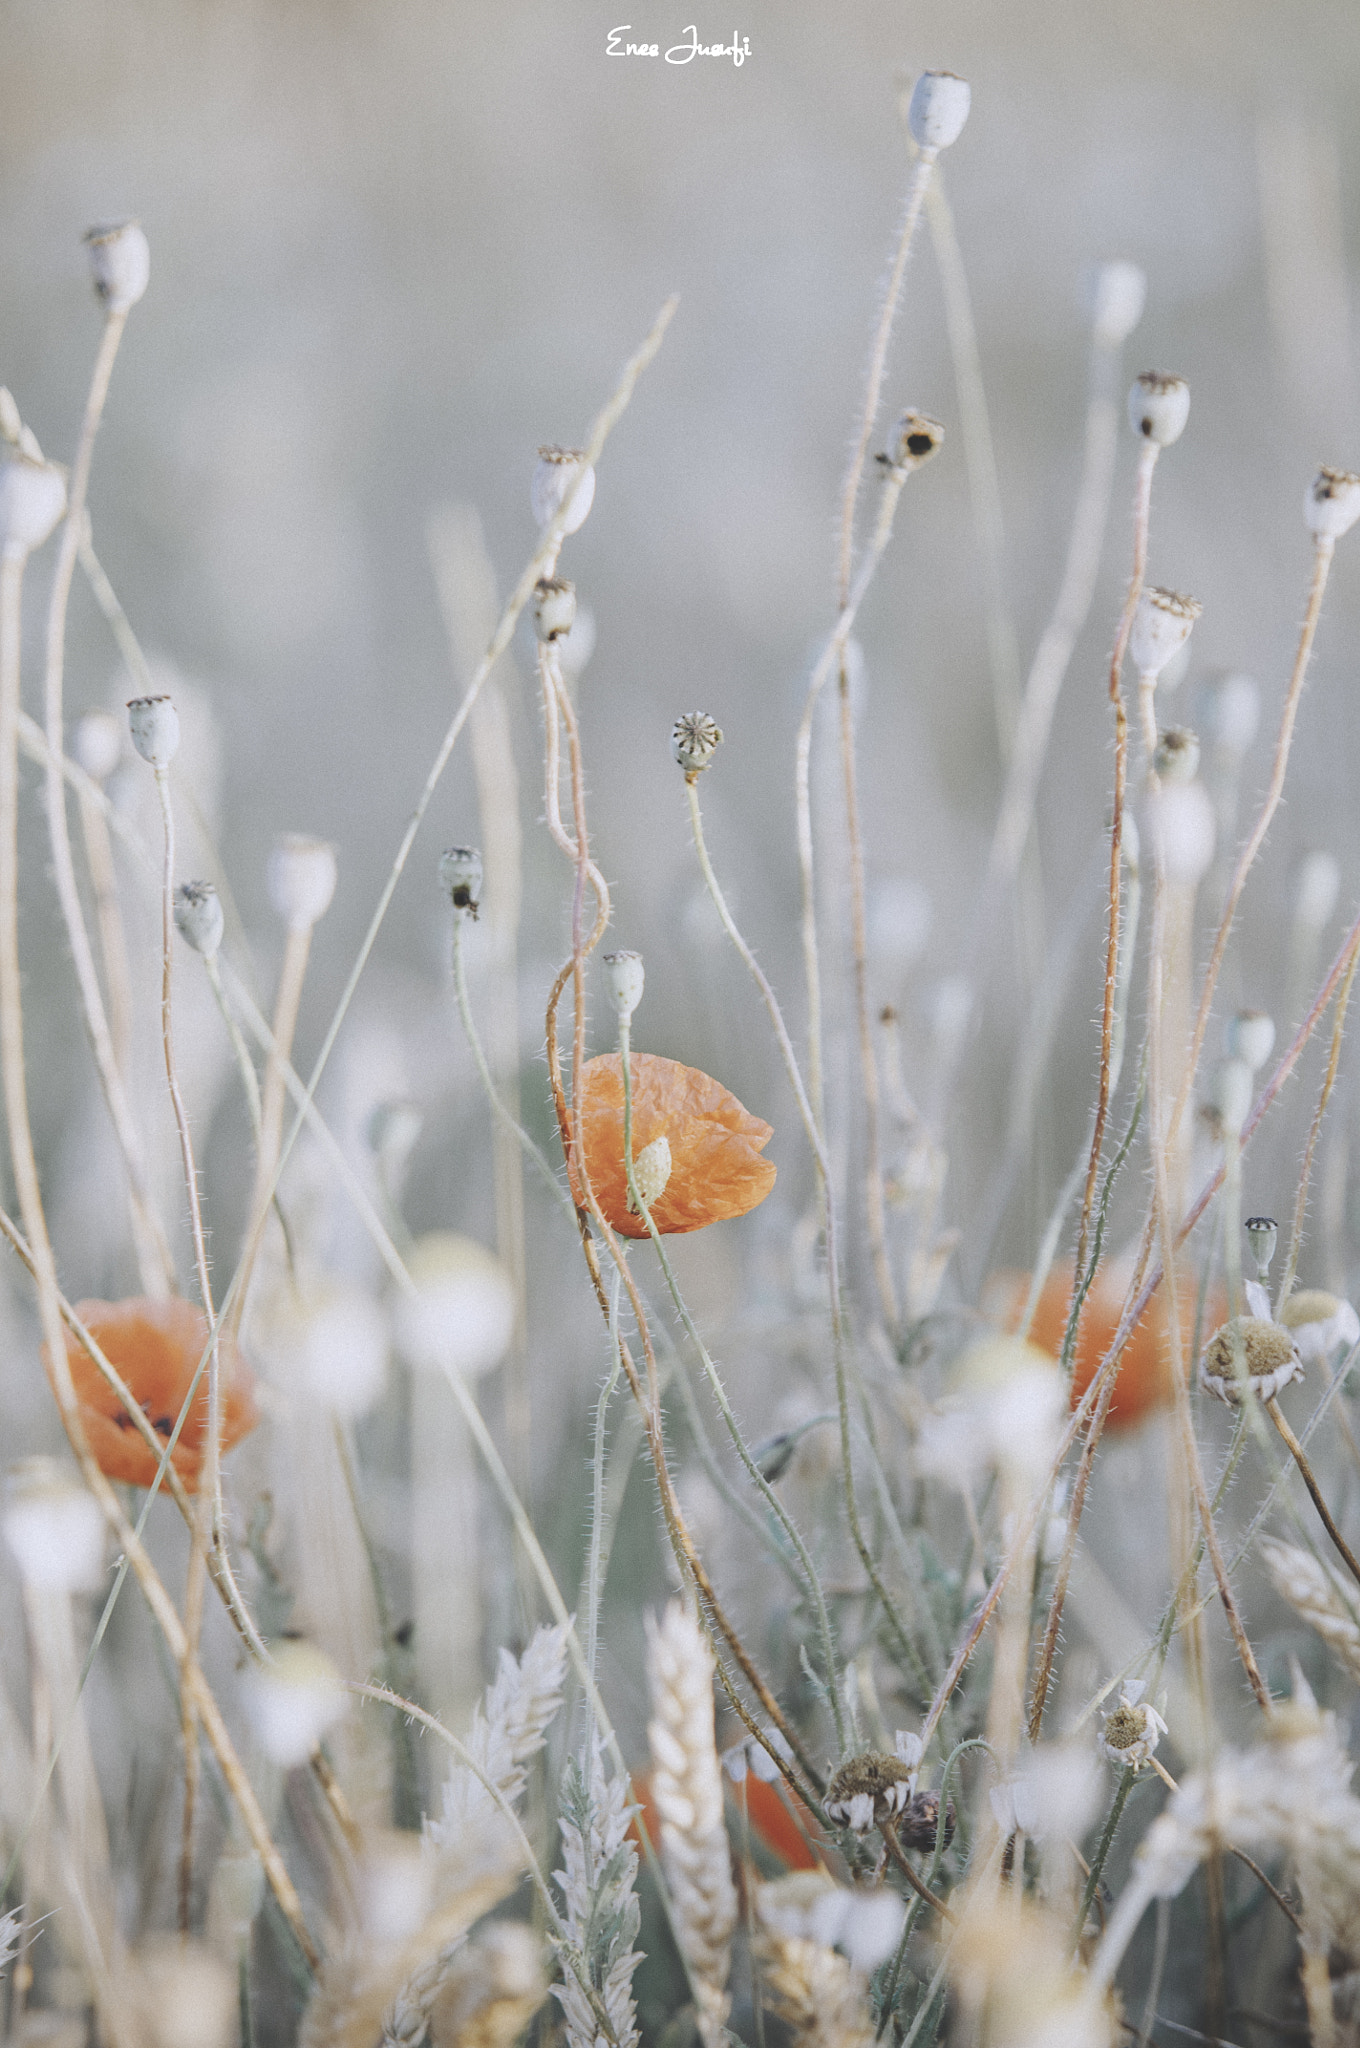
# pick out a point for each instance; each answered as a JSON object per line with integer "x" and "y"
{"x": 155, "y": 1346}
{"x": 716, "y": 1169}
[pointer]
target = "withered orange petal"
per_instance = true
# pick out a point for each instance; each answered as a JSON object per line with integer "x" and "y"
{"x": 716, "y": 1166}
{"x": 155, "y": 1346}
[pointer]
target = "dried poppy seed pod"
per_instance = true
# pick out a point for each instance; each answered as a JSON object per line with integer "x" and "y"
{"x": 560, "y": 472}
{"x": 32, "y": 500}
{"x": 198, "y": 917}
{"x": 154, "y": 725}
{"x": 460, "y": 871}
{"x": 915, "y": 438}
{"x": 293, "y": 1701}
{"x": 695, "y": 739}
{"x": 938, "y": 110}
{"x": 120, "y": 259}
{"x": 1162, "y": 624}
{"x": 97, "y": 744}
{"x": 1177, "y": 755}
{"x": 1331, "y": 504}
{"x": 1250, "y": 1037}
{"x": 53, "y": 1526}
{"x": 1250, "y": 1348}
{"x": 1262, "y": 1232}
{"x": 651, "y": 1172}
{"x": 1118, "y": 298}
{"x": 302, "y": 875}
{"x": 554, "y": 608}
{"x": 624, "y": 980}
{"x": 1159, "y": 407}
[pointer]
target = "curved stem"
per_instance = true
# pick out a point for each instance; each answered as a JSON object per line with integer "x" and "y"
{"x": 1300, "y": 1457}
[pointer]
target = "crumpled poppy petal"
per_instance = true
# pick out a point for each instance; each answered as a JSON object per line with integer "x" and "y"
{"x": 716, "y": 1167}
{"x": 155, "y": 1346}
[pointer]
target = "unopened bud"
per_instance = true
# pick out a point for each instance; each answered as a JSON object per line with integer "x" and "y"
{"x": 120, "y": 258}
{"x": 915, "y": 438}
{"x": 198, "y": 917}
{"x": 154, "y": 725}
{"x": 460, "y": 871}
{"x": 554, "y": 608}
{"x": 1177, "y": 755}
{"x": 624, "y": 979}
{"x": 1331, "y": 504}
{"x": 32, "y": 500}
{"x": 695, "y": 739}
{"x": 1118, "y": 298}
{"x": 97, "y": 744}
{"x": 1162, "y": 624}
{"x": 1250, "y": 1036}
{"x": 1159, "y": 407}
{"x": 1262, "y": 1232}
{"x": 938, "y": 110}
{"x": 302, "y": 875}
{"x": 560, "y": 473}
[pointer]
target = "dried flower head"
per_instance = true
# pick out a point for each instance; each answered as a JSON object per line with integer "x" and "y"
{"x": 1131, "y": 1731}
{"x": 1177, "y": 755}
{"x": 460, "y": 871}
{"x": 695, "y": 739}
{"x": 715, "y": 1144}
{"x": 939, "y": 107}
{"x": 554, "y": 608}
{"x": 1249, "y": 1350}
{"x": 120, "y": 260}
{"x": 32, "y": 500}
{"x": 559, "y": 473}
{"x": 1320, "y": 1322}
{"x": 198, "y": 917}
{"x": 1159, "y": 407}
{"x": 868, "y": 1790}
{"x": 1331, "y": 504}
{"x": 1162, "y": 624}
{"x": 915, "y": 438}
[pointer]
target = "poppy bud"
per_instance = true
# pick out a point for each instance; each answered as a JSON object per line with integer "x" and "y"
{"x": 1118, "y": 298}
{"x": 301, "y": 876}
{"x": 695, "y": 739}
{"x": 120, "y": 258}
{"x": 1159, "y": 407}
{"x": 554, "y": 608}
{"x": 460, "y": 871}
{"x": 1162, "y": 624}
{"x": 198, "y": 917}
{"x": 154, "y": 725}
{"x": 624, "y": 979}
{"x": 560, "y": 472}
{"x": 938, "y": 110}
{"x": 97, "y": 744}
{"x": 1331, "y": 503}
{"x": 32, "y": 500}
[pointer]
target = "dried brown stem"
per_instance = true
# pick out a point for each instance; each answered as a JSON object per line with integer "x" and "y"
{"x": 1300, "y": 1457}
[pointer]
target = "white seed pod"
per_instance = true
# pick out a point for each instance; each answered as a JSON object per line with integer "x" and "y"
{"x": 198, "y": 917}
{"x": 97, "y": 744}
{"x": 1162, "y": 624}
{"x": 575, "y": 648}
{"x": 1320, "y": 1322}
{"x": 32, "y": 500}
{"x": 1183, "y": 830}
{"x": 1118, "y": 296}
{"x": 461, "y": 1317}
{"x": 1262, "y": 1232}
{"x": 914, "y": 439}
{"x": 559, "y": 473}
{"x": 120, "y": 259}
{"x": 301, "y": 878}
{"x": 154, "y": 725}
{"x": 651, "y": 1171}
{"x": 1250, "y": 1037}
{"x": 1265, "y": 1354}
{"x": 1233, "y": 1095}
{"x": 53, "y": 1526}
{"x": 554, "y": 608}
{"x": 624, "y": 979}
{"x": 1236, "y": 714}
{"x": 1159, "y": 407}
{"x": 695, "y": 739}
{"x": 460, "y": 871}
{"x": 1318, "y": 887}
{"x": 938, "y": 110}
{"x": 293, "y": 1701}
{"x": 1177, "y": 755}
{"x": 1331, "y": 504}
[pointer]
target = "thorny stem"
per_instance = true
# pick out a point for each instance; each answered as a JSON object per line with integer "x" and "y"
{"x": 1291, "y": 1264}
{"x": 1300, "y": 1457}
{"x": 1112, "y": 1820}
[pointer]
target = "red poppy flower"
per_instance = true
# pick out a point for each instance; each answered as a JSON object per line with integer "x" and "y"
{"x": 796, "y": 1845}
{"x": 155, "y": 1346}
{"x": 716, "y": 1169}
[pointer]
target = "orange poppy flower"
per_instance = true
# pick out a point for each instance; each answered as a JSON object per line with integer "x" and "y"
{"x": 1143, "y": 1383}
{"x": 716, "y": 1169}
{"x": 771, "y": 1821}
{"x": 155, "y": 1346}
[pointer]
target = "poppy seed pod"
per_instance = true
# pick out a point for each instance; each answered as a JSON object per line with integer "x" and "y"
{"x": 1177, "y": 755}
{"x": 154, "y": 725}
{"x": 1331, "y": 504}
{"x": 1159, "y": 407}
{"x": 938, "y": 110}
{"x": 695, "y": 739}
{"x": 1162, "y": 624}
{"x": 97, "y": 744}
{"x": 1262, "y": 1232}
{"x": 198, "y": 917}
{"x": 554, "y": 608}
{"x": 1118, "y": 298}
{"x": 624, "y": 980}
{"x": 301, "y": 875}
{"x": 1250, "y": 1037}
{"x": 460, "y": 871}
{"x": 560, "y": 472}
{"x": 716, "y": 1166}
{"x": 1249, "y": 1347}
{"x": 915, "y": 438}
{"x": 120, "y": 258}
{"x": 32, "y": 500}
